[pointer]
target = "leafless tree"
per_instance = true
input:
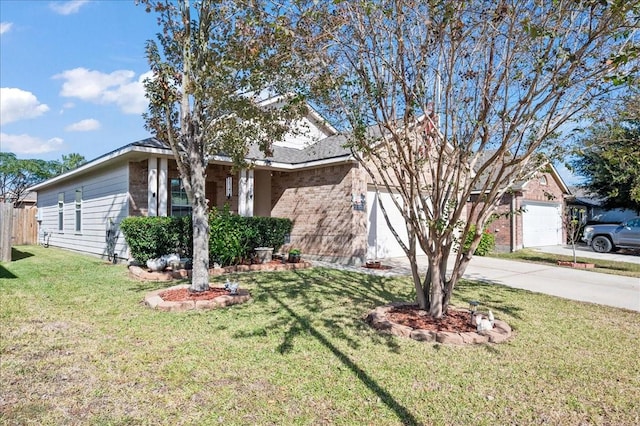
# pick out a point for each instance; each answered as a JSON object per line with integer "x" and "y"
{"x": 443, "y": 99}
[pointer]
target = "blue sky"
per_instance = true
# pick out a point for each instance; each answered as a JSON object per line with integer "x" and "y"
{"x": 71, "y": 76}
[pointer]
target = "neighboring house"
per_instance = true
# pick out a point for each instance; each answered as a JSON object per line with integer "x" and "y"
{"x": 25, "y": 200}
{"x": 594, "y": 211}
{"x": 531, "y": 213}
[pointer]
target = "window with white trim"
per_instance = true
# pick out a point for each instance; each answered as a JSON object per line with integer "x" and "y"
{"x": 60, "y": 211}
{"x": 179, "y": 202}
{"x": 78, "y": 209}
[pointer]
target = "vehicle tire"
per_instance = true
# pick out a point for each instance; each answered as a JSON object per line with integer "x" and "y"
{"x": 601, "y": 244}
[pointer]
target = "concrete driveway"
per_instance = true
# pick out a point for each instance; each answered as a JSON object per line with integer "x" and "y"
{"x": 585, "y": 286}
{"x": 574, "y": 284}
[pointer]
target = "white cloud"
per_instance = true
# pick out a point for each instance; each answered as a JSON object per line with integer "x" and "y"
{"x": 5, "y": 27}
{"x": 26, "y": 144}
{"x": 68, "y": 7}
{"x": 119, "y": 87}
{"x": 17, "y": 104}
{"x": 83, "y": 126}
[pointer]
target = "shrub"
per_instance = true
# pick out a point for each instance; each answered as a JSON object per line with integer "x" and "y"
{"x": 487, "y": 242}
{"x": 270, "y": 231}
{"x": 150, "y": 237}
{"x": 233, "y": 237}
{"x": 225, "y": 242}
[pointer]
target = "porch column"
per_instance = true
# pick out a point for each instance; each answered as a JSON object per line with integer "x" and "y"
{"x": 162, "y": 187}
{"x": 152, "y": 187}
{"x": 245, "y": 193}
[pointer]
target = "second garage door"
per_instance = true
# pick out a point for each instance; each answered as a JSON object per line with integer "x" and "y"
{"x": 541, "y": 224}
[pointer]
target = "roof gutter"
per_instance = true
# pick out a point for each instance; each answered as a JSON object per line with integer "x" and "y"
{"x": 105, "y": 159}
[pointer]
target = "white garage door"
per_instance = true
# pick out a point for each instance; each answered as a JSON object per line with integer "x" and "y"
{"x": 381, "y": 241}
{"x": 541, "y": 224}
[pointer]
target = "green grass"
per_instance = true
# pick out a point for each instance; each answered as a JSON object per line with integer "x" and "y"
{"x": 604, "y": 266}
{"x": 78, "y": 347}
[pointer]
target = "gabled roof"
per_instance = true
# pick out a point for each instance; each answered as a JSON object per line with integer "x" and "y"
{"x": 326, "y": 151}
{"x": 518, "y": 185}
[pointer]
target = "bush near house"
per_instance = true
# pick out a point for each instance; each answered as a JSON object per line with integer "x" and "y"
{"x": 232, "y": 238}
{"x": 487, "y": 242}
{"x": 151, "y": 237}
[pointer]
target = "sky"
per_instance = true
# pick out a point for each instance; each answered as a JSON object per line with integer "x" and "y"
{"x": 71, "y": 76}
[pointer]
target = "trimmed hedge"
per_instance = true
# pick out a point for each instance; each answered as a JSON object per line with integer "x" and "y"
{"x": 232, "y": 238}
{"x": 152, "y": 237}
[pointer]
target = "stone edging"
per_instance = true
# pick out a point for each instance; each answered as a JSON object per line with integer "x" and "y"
{"x": 154, "y": 301}
{"x": 378, "y": 320}
{"x": 142, "y": 274}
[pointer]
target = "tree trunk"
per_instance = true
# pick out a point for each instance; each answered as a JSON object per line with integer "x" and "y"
{"x": 436, "y": 296}
{"x": 200, "y": 272}
{"x": 421, "y": 297}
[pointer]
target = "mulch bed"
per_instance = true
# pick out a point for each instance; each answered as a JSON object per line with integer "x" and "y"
{"x": 180, "y": 294}
{"x": 411, "y": 316}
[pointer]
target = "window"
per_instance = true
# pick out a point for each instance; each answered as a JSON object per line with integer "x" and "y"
{"x": 543, "y": 180}
{"x": 78, "y": 210}
{"x": 60, "y": 211}
{"x": 179, "y": 203}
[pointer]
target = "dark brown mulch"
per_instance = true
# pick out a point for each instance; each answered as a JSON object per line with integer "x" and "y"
{"x": 179, "y": 294}
{"x": 412, "y": 316}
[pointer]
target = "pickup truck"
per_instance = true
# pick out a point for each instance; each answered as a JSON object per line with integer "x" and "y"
{"x": 605, "y": 238}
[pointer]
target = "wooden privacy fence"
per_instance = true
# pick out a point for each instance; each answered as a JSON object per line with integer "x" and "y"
{"x": 6, "y": 231}
{"x": 17, "y": 227}
{"x": 25, "y": 226}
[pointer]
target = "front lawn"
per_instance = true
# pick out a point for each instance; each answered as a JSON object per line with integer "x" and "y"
{"x": 77, "y": 347}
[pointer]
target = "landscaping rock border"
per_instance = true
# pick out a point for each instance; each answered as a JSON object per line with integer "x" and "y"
{"x": 144, "y": 274}
{"x": 576, "y": 265}
{"x": 155, "y": 301}
{"x": 377, "y": 318}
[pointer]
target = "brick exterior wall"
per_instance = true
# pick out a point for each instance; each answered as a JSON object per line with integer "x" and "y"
{"x": 138, "y": 201}
{"x": 501, "y": 227}
{"x": 319, "y": 201}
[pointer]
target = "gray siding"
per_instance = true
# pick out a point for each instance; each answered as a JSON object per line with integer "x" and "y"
{"x": 105, "y": 194}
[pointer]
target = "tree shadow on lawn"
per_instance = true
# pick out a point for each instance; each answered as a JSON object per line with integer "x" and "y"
{"x": 490, "y": 296}
{"x": 330, "y": 305}
{"x": 301, "y": 324}
{"x": 338, "y": 299}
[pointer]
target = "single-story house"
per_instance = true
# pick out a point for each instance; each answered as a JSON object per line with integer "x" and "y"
{"x": 311, "y": 179}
